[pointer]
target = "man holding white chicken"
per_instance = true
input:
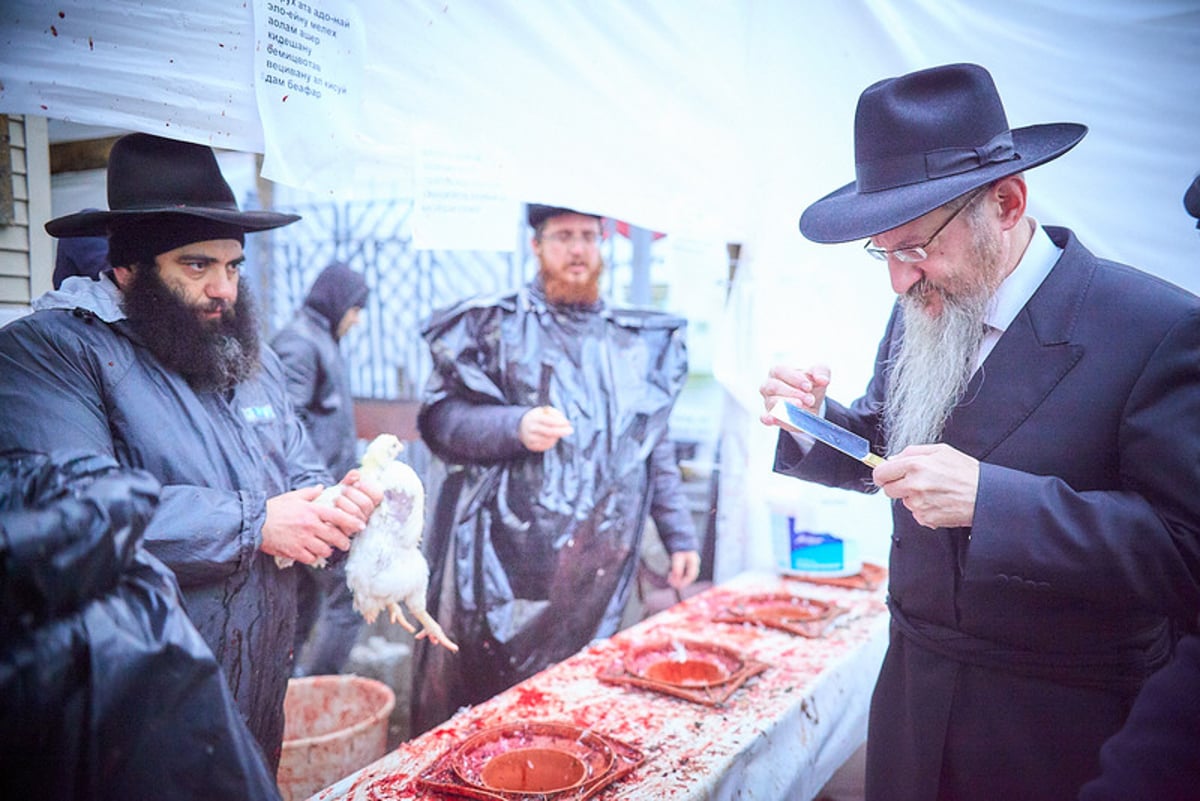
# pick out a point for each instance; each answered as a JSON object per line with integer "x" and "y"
{"x": 550, "y": 409}
{"x": 159, "y": 365}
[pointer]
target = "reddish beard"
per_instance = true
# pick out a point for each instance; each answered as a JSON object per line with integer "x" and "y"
{"x": 572, "y": 293}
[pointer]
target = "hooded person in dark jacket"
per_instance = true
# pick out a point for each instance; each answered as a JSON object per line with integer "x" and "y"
{"x": 107, "y": 691}
{"x": 316, "y": 373}
{"x": 320, "y": 390}
{"x": 159, "y": 366}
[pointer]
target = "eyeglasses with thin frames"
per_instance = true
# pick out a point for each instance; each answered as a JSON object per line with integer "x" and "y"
{"x": 567, "y": 238}
{"x": 916, "y": 253}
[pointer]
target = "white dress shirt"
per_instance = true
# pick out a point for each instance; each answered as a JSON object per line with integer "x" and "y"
{"x": 1015, "y": 290}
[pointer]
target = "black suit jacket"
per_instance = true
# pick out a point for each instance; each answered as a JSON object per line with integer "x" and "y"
{"x": 1018, "y": 643}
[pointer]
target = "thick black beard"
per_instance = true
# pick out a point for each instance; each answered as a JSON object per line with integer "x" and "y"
{"x": 214, "y": 356}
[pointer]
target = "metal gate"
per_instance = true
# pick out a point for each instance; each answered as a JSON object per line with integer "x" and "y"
{"x": 386, "y": 356}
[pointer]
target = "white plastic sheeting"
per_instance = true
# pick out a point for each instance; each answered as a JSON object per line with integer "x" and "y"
{"x": 178, "y": 70}
{"x": 700, "y": 118}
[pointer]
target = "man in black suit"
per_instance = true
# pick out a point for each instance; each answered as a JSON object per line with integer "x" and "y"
{"x": 1039, "y": 409}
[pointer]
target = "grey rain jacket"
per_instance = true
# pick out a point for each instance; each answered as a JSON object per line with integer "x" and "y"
{"x": 73, "y": 375}
{"x": 107, "y": 691}
{"x": 544, "y": 545}
{"x": 316, "y": 373}
{"x": 319, "y": 387}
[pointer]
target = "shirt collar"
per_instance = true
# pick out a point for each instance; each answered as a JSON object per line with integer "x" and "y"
{"x": 1016, "y": 289}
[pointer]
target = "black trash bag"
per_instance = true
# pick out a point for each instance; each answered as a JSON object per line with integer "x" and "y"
{"x": 106, "y": 688}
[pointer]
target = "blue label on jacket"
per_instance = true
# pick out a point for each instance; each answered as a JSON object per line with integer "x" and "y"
{"x": 258, "y": 414}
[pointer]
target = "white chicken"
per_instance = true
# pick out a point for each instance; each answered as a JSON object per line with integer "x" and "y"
{"x": 385, "y": 566}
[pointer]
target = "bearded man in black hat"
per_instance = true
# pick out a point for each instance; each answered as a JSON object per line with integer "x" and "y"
{"x": 158, "y": 365}
{"x": 1038, "y": 407}
{"x": 550, "y": 409}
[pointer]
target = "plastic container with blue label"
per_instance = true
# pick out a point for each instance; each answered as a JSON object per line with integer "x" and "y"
{"x": 806, "y": 540}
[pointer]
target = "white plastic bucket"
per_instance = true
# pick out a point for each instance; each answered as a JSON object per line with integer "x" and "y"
{"x": 811, "y": 535}
{"x": 333, "y": 726}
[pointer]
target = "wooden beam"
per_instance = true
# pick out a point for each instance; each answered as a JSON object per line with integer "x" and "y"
{"x": 373, "y": 417}
{"x": 8, "y": 212}
{"x": 89, "y": 154}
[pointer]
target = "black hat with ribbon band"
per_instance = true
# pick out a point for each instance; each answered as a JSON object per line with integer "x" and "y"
{"x": 151, "y": 179}
{"x": 922, "y": 140}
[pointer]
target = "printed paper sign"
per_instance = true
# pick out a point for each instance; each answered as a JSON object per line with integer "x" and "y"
{"x": 308, "y": 78}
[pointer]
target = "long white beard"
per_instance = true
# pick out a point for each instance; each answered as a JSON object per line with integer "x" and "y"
{"x": 930, "y": 374}
{"x": 936, "y": 357}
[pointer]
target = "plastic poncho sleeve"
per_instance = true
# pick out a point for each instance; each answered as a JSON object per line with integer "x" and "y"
{"x": 461, "y": 432}
{"x": 668, "y": 504}
{"x": 117, "y": 695}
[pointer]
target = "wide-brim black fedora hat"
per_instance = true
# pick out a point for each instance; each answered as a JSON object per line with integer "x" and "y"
{"x": 149, "y": 176}
{"x": 923, "y": 139}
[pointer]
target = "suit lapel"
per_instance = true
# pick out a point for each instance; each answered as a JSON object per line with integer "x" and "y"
{"x": 1031, "y": 358}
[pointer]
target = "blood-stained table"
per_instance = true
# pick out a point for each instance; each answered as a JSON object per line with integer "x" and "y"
{"x": 780, "y": 735}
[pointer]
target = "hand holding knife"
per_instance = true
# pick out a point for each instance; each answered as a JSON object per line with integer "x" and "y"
{"x": 792, "y": 418}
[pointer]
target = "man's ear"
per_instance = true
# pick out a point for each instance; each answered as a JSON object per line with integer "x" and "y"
{"x": 1011, "y": 193}
{"x": 122, "y": 275}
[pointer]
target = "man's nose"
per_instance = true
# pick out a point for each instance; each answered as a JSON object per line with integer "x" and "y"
{"x": 223, "y": 285}
{"x": 904, "y": 274}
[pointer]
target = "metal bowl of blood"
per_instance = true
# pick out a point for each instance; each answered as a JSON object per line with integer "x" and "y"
{"x": 683, "y": 663}
{"x": 530, "y": 757}
{"x": 783, "y": 608}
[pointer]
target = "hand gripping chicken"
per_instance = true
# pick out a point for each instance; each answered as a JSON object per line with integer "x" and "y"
{"x": 385, "y": 565}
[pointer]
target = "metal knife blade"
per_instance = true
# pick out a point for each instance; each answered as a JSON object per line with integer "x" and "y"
{"x": 793, "y": 418}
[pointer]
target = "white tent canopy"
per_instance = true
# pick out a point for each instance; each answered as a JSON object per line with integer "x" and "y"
{"x": 700, "y": 118}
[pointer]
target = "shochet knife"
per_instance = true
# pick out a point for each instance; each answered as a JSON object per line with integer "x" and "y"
{"x": 793, "y": 418}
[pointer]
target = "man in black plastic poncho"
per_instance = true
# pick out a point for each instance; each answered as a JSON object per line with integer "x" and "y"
{"x": 550, "y": 410}
{"x": 159, "y": 366}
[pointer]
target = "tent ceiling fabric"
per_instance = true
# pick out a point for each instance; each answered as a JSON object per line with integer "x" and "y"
{"x": 673, "y": 114}
{"x": 184, "y": 71}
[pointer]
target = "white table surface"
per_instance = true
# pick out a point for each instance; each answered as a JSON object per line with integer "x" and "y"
{"x": 779, "y": 736}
